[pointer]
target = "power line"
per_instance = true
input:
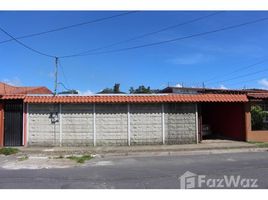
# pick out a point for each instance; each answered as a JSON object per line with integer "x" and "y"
{"x": 238, "y": 70}
{"x": 64, "y": 76}
{"x": 150, "y": 33}
{"x": 26, "y": 46}
{"x": 241, "y": 76}
{"x": 247, "y": 81}
{"x": 68, "y": 27}
{"x": 171, "y": 40}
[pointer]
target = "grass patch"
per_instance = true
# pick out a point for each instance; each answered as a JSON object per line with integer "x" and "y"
{"x": 80, "y": 159}
{"x": 260, "y": 144}
{"x": 8, "y": 151}
{"x": 23, "y": 158}
{"x": 59, "y": 157}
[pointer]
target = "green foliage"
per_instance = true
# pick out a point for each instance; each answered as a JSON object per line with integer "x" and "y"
{"x": 257, "y": 116}
{"x": 260, "y": 144}
{"x": 8, "y": 151}
{"x": 80, "y": 159}
{"x": 114, "y": 90}
{"x": 23, "y": 158}
{"x": 140, "y": 90}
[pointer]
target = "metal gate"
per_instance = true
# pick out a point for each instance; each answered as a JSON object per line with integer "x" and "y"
{"x": 13, "y": 124}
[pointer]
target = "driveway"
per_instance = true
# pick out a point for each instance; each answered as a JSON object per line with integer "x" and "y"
{"x": 142, "y": 172}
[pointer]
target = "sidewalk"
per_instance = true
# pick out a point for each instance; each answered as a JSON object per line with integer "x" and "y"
{"x": 208, "y": 146}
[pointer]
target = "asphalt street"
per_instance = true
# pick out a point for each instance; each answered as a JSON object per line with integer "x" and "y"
{"x": 250, "y": 170}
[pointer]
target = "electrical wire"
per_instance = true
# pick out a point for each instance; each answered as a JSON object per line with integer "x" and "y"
{"x": 170, "y": 40}
{"x": 64, "y": 76}
{"x": 238, "y": 70}
{"x": 241, "y": 76}
{"x": 68, "y": 27}
{"x": 26, "y": 46}
{"x": 151, "y": 33}
{"x": 247, "y": 81}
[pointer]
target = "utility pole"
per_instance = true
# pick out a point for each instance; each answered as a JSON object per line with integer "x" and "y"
{"x": 56, "y": 76}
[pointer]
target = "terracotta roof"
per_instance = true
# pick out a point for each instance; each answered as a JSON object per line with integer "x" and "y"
{"x": 13, "y": 96}
{"x": 9, "y": 89}
{"x": 258, "y": 95}
{"x": 138, "y": 98}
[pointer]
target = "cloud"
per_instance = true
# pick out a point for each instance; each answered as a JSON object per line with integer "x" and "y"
{"x": 222, "y": 87}
{"x": 178, "y": 85}
{"x": 85, "y": 93}
{"x": 264, "y": 83}
{"x": 14, "y": 81}
{"x": 190, "y": 59}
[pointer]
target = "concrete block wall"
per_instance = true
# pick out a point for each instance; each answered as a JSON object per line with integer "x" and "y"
{"x": 41, "y": 131}
{"x": 115, "y": 124}
{"x": 180, "y": 123}
{"x": 111, "y": 124}
{"x": 77, "y": 124}
{"x": 146, "y": 124}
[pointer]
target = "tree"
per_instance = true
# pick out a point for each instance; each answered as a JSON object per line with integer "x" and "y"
{"x": 141, "y": 90}
{"x": 257, "y": 116}
{"x": 114, "y": 90}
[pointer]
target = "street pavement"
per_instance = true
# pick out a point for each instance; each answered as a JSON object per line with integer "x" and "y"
{"x": 152, "y": 172}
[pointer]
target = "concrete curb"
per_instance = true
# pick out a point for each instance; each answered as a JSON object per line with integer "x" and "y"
{"x": 142, "y": 152}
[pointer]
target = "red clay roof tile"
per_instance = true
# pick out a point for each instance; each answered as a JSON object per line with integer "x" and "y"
{"x": 258, "y": 95}
{"x": 138, "y": 98}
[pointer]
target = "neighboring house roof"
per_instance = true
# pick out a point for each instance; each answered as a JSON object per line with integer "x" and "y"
{"x": 6, "y": 89}
{"x": 258, "y": 95}
{"x": 191, "y": 90}
{"x": 167, "y": 98}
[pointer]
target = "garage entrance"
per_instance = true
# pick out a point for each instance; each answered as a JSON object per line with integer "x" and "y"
{"x": 222, "y": 121}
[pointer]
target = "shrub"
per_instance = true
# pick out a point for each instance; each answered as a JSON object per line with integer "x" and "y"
{"x": 8, "y": 151}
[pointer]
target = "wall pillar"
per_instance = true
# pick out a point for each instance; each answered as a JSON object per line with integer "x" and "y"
{"x": 94, "y": 125}
{"x": 196, "y": 123}
{"x": 60, "y": 124}
{"x": 128, "y": 125}
{"x": 163, "y": 123}
{"x": 247, "y": 121}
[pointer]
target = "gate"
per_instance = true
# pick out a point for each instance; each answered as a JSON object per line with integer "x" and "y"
{"x": 13, "y": 124}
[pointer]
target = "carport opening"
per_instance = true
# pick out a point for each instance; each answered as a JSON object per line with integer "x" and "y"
{"x": 222, "y": 121}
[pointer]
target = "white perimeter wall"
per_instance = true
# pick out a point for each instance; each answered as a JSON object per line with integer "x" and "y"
{"x": 111, "y": 124}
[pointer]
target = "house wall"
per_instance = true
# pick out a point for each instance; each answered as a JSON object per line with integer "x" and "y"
{"x": 42, "y": 131}
{"x": 253, "y": 136}
{"x": 77, "y": 124}
{"x": 146, "y": 124}
{"x": 112, "y": 124}
{"x": 179, "y": 118}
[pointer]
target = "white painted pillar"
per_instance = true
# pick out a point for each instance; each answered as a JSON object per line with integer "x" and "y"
{"x": 60, "y": 124}
{"x": 128, "y": 124}
{"x": 27, "y": 125}
{"x": 196, "y": 123}
{"x": 163, "y": 123}
{"x": 94, "y": 125}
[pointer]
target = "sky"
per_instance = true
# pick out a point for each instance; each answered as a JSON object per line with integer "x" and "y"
{"x": 217, "y": 60}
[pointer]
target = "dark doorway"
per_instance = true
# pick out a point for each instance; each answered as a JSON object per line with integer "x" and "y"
{"x": 13, "y": 124}
{"x": 223, "y": 121}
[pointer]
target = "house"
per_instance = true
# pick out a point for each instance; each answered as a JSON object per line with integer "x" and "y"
{"x": 231, "y": 120}
{"x": 12, "y": 112}
{"x": 174, "y": 116}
